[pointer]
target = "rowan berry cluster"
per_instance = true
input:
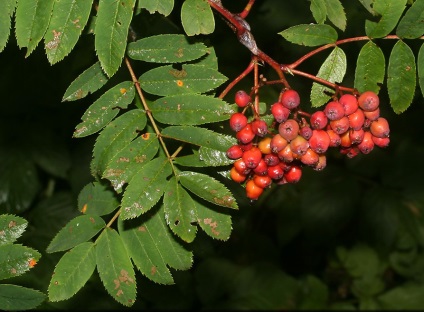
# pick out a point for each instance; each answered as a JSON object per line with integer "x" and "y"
{"x": 276, "y": 153}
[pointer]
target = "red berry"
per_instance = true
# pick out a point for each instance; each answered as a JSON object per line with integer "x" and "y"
{"x": 356, "y": 119}
{"x": 367, "y": 144}
{"x": 237, "y": 176}
{"x": 262, "y": 181}
{"x": 356, "y": 136}
{"x": 380, "y": 128}
{"x": 299, "y": 145}
{"x": 305, "y": 132}
{"x": 245, "y": 135}
{"x": 259, "y": 127}
{"x": 261, "y": 168}
{"x": 345, "y": 140}
{"x": 238, "y": 121}
{"x": 349, "y": 103}
{"x": 334, "y": 138}
{"x": 265, "y": 145}
{"x": 381, "y": 142}
{"x": 271, "y": 159}
{"x": 368, "y": 101}
{"x": 286, "y": 154}
{"x": 340, "y": 126}
{"x": 290, "y": 99}
{"x": 280, "y": 112}
{"x": 241, "y": 167}
{"x": 319, "y": 141}
{"x": 242, "y": 98}
{"x": 252, "y": 157}
{"x": 246, "y": 147}
{"x": 321, "y": 164}
{"x": 372, "y": 115}
{"x": 334, "y": 110}
{"x": 289, "y": 129}
{"x": 234, "y": 152}
{"x": 278, "y": 143}
{"x": 318, "y": 120}
{"x": 252, "y": 190}
{"x": 293, "y": 175}
{"x": 275, "y": 172}
{"x": 310, "y": 158}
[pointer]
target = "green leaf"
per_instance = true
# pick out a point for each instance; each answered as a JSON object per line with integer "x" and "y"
{"x": 116, "y": 136}
{"x": 105, "y": 108}
{"x": 412, "y": 24}
{"x": 314, "y": 294}
{"x": 67, "y": 21}
{"x": 16, "y": 259}
{"x": 77, "y": 231}
{"x": 406, "y": 296}
{"x": 18, "y": 298}
{"x": 72, "y": 272}
{"x": 214, "y": 222}
{"x": 190, "y": 109}
{"x": 31, "y": 21}
{"x": 319, "y": 10}
{"x": 166, "y": 80}
{"x": 213, "y": 157}
{"x": 370, "y": 68}
{"x": 401, "y": 77}
{"x": 310, "y": 34}
{"x": 333, "y": 70}
{"x": 207, "y": 188}
{"x": 130, "y": 159}
{"x": 420, "y": 65}
{"x": 200, "y": 136}
{"x": 197, "y": 17}
{"x": 145, "y": 188}
{"x": 390, "y": 11}
{"x": 11, "y": 228}
{"x": 368, "y": 5}
{"x": 115, "y": 267}
{"x": 97, "y": 199}
{"x": 88, "y": 82}
{"x": 210, "y": 60}
{"x": 166, "y": 48}
{"x": 111, "y": 31}
{"x": 180, "y": 211}
{"x": 19, "y": 183}
{"x": 153, "y": 247}
{"x": 161, "y": 6}
{"x": 192, "y": 160}
{"x": 336, "y": 13}
{"x": 7, "y": 7}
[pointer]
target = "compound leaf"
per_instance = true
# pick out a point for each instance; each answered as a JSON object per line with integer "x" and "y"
{"x": 115, "y": 137}
{"x": 207, "y": 188}
{"x": 197, "y": 17}
{"x": 319, "y": 10}
{"x": 191, "y": 160}
{"x": 190, "y": 109}
{"x": 31, "y": 21}
{"x": 370, "y": 68}
{"x": 336, "y": 13}
{"x": 11, "y": 228}
{"x": 180, "y": 211}
{"x": 111, "y": 31}
{"x": 115, "y": 267}
{"x": 166, "y": 80}
{"x": 75, "y": 232}
{"x": 390, "y": 11}
{"x": 105, "y": 108}
{"x": 145, "y": 188}
{"x": 97, "y": 199}
{"x": 72, "y": 271}
{"x": 130, "y": 159}
{"x": 333, "y": 70}
{"x": 401, "y": 77}
{"x": 92, "y": 79}
{"x": 18, "y": 298}
{"x": 166, "y": 48}
{"x": 310, "y": 34}
{"x": 213, "y": 157}
{"x": 16, "y": 259}
{"x": 153, "y": 248}
{"x": 67, "y": 21}
{"x": 7, "y": 7}
{"x": 161, "y": 6}
{"x": 200, "y": 136}
{"x": 215, "y": 223}
{"x": 412, "y": 24}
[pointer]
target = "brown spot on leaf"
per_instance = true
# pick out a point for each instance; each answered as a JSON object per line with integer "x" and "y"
{"x": 125, "y": 278}
{"x": 145, "y": 136}
{"x": 114, "y": 172}
{"x": 11, "y": 224}
{"x": 92, "y": 220}
{"x": 2, "y": 233}
{"x": 178, "y": 73}
{"x": 123, "y": 159}
{"x": 153, "y": 270}
{"x": 119, "y": 292}
{"x": 142, "y": 229}
{"x": 226, "y": 201}
{"x": 213, "y": 225}
{"x": 71, "y": 229}
{"x": 140, "y": 159}
{"x": 52, "y": 44}
{"x": 13, "y": 271}
{"x": 79, "y": 93}
{"x": 179, "y": 53}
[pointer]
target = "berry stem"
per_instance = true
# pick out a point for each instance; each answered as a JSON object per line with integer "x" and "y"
{"x": 256, "y": 86}
{"x": 248, "y": 69}
{"x": 247, "y": 9}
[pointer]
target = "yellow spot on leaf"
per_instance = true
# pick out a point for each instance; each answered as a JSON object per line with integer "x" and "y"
{"x": 180, "y": 83}
{"x": 32, "y": 262}
{"x": 84, "y": 208}
{"x": 123, "y": 90}
{"x": 145, "y": 136}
